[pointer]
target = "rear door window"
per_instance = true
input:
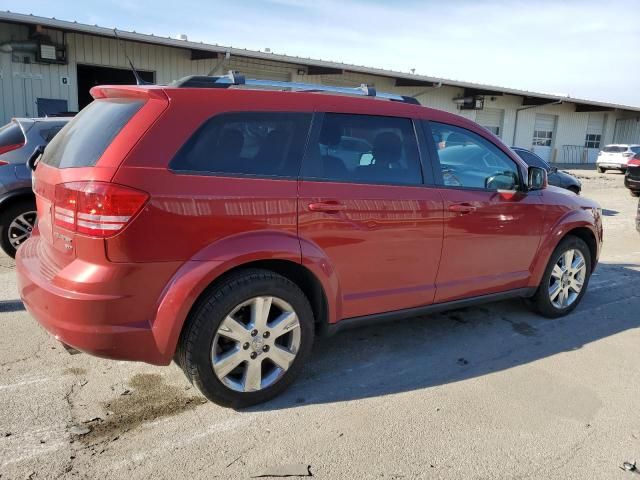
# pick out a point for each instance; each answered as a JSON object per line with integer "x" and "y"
{"x": 246, "y": 143}
{"x": 85, "y": 138}
{"x": 47, "y": 134}
{"x": 364, "y": 149}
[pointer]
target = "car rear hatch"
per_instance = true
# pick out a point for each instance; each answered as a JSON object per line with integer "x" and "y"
{"x": 78, "y": 206}
{"x": 614, "y": 154}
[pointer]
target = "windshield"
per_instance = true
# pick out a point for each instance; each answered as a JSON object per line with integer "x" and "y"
{"x": 85, "y": 138}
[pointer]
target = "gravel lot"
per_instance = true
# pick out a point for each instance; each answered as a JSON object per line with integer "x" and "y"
{"x": 488, "y": 392}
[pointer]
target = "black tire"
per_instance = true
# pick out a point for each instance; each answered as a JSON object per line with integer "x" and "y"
{"x": 194, "y": 348}
{"x": 540, "y": 301}
{"x": 601, "y": 170}
{"x": 575, "y": 190}
{"x": 8, "y": 215}
{"x": 635, "y": 193}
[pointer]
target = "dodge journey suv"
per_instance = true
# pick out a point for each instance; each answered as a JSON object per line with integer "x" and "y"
{"x": 222, "y": 223}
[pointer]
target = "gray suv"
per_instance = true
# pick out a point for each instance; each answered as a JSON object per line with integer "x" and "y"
{"x": 18, "y": 139}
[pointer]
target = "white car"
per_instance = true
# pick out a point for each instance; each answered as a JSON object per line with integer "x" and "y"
{"x": 615, "y": 157}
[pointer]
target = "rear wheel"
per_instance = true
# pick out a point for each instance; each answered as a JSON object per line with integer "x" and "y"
{"x": 573, "y": 189}
{"x": 565, "y": 279}
{"x": 601, "y": 170}
{"x": 247, "y": 340}
{"x": 16, "y": 224}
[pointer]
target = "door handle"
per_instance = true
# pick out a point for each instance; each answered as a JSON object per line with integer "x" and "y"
{"x": 327, "y": 207}
{"x": 462, "y": 208}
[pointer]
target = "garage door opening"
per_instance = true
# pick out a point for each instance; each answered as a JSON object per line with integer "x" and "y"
{"x": 89, "y": 76}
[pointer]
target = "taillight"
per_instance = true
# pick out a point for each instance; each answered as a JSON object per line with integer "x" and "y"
{"x": 634, "y": 162}
{"x": 8, "y": 148}
{"x": 97, "y": 209}
{"x": 3, "y": 162}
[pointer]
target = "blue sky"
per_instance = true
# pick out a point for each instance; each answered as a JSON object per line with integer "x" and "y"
{"x": 588, "y": 49}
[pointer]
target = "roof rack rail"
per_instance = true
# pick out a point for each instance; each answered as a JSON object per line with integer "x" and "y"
{"x": 234, "y": 78}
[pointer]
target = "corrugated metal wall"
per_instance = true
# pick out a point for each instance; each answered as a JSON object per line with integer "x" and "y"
{"x": 22, "y": 83}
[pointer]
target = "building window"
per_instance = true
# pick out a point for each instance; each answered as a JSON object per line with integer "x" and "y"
{"x": 542, "y": 138}
{"x": 592, "y": 140}
{"x": 494, "y": 130}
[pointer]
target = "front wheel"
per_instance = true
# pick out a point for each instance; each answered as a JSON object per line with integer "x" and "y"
{"x": 635, "y": 193}
{"x": 565, "y": 279}
{"x": 248, "y": 338}
{"x": 601, "y": 170}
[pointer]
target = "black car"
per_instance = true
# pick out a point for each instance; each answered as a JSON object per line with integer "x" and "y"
{"x": 556, "y": 177}
{"x": 632, "y": 176}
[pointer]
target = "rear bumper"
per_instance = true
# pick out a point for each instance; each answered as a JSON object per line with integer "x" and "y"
{"x": 116, "y": 324}
{"x": 616, "y": 165}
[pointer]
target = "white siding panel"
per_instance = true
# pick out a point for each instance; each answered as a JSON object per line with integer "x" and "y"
{"x": 595, "y": 124}
{"x": 627, "y": 130}
{"x": 492, "y": 119}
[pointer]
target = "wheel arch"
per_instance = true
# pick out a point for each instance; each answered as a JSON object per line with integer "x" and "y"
{"x": 17, "y": 195}
{"x": 577, "y": 227}
{"x": 295, "y": 272}
{"x": 276, "y": 252}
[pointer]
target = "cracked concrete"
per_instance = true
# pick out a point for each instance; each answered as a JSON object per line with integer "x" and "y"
{"x": 533, "y": 398}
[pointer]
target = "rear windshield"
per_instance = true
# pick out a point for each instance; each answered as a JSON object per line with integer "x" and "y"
{"x": 611, "y": 149}
{"x": 11, "y": 134}
{"x": 85, "y": 138}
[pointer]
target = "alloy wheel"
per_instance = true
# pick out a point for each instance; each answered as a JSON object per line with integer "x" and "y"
{"x": 21, "y": 227}
{"x": 567, "y": 278}
{"x": 256, "y": 344}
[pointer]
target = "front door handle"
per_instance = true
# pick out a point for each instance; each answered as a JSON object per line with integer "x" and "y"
{"x": 327, "y": 207}
{"x": 462, "y": 208}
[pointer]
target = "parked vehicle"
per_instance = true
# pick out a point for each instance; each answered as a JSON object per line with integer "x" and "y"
{"x": 212, "y": 222}
{"x": 18, "y": 139}
{"x": 632, "y": 176}
{"x": 557, "y": 178}
{"x": 615, "y": 157}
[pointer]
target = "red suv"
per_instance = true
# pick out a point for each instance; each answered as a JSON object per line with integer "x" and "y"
{"x": 223, "y": 224}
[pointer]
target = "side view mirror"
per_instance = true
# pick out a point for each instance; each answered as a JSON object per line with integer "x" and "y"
{"x": 35, "y": 156}
{"x": 537, "y": 178}
{"x": 553, "y": 169}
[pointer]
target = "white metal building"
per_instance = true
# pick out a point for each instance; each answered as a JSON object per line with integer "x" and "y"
{"x": 48, "y": 66}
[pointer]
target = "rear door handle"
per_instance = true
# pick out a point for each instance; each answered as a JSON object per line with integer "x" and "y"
{"x": 462, "y": 208}
{"x": 327, "y": 207}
